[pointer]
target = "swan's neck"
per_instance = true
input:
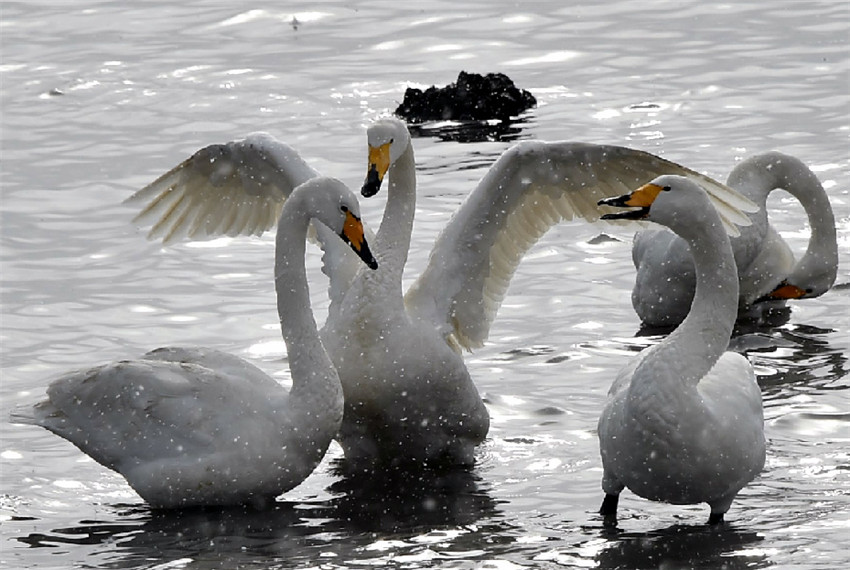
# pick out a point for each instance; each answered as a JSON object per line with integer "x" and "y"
{"x": 313, "y": 375}
{"x": 757, "y": 177}
{"x": 687, "y": 354}
{"x": 820, "y": 262}
{"x": 393, "y": 239}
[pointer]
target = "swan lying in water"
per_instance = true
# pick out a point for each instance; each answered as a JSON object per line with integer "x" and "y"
{"x": 190, "y": 426}
{"x": 684, "y": 422}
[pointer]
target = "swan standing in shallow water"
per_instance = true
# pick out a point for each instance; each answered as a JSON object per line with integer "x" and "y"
{"x": 684, "y": 422}
{"x": 189, "y": 426}
{"x": 665, "y": 281}
{"x": 409, "y": 397}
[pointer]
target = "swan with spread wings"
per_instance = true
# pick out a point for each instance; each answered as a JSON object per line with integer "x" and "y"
{"x": 409, "y": 397}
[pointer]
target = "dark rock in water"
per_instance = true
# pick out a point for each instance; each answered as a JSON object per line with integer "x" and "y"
{"x": 473, "y": 98}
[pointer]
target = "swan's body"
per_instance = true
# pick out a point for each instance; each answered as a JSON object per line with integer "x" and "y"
{"x": 684, "y": 422}
{"x": 767, "y": 271}
{"x": 189, "y": 426}
{"x": 408, "y": 393}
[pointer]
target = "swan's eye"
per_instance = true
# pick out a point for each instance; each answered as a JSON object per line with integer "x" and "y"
{"x": 666, "y": 189}
{"x": 344, "y": 208}
{"x": 391, "y": 141}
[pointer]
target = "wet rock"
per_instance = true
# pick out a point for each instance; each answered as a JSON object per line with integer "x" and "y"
{"x": 473, "y": 97}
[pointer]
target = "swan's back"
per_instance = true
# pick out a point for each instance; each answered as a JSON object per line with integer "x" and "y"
{"x": 181, "y": 432}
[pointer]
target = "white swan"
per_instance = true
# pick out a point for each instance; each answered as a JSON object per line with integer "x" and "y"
{"x": 408, "y": 394}
{"x": 684, "y": 422}
{"x": 189, "y": 426}
{"x": 665, "y": 281}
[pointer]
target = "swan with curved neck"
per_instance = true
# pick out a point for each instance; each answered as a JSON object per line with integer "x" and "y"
{"x": 683, "y": 422}
{"x": 193, "y": 426}
{"x": 409, "y": 397}
{"x": 768, "y": 274}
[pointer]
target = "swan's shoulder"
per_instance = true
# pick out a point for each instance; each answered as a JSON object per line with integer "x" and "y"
{"x": 731, "y": 391}
{"x": 226, "y": 364}
{"x": 236, "y": 188}
{"x": 532, "y": 186}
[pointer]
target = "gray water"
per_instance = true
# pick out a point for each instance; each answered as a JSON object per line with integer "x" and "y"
{"x": 100, "y": 97}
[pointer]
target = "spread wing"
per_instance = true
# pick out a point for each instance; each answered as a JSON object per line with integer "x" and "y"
{"x": 531, "y": 187}
{"x": 231, "y": 189}
{"x": 237, "y": 188}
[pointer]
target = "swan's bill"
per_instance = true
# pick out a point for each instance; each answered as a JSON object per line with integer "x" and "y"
{"x": 352, "y": 234}
{"x": 642, "y": 199}
{"x": 379, "y": 163}
{"x": 785, "y": 291}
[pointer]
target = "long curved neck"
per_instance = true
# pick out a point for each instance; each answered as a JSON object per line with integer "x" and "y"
{"x": 311, "y": 368}
{"x": 757, "y": 177}
{"x": 821, "y": 257}
{"x": 690, "y": 351}
{"x": 393, "y": 239}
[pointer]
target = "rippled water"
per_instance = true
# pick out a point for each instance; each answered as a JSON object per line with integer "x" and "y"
{"x": 100, "y": 97}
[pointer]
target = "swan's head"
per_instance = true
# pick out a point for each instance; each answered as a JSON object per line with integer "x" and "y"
{"x": 811, "y": 277}
{"x": 388, "y": 140}
{"x": 673, "y": 201}
{"x": 330, "y": 202}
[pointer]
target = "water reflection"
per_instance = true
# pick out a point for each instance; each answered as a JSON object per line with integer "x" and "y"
{"x": 471, "y": 131}
{"x": 682, "y": 546}
{"x": 793, "y": 357}
{"x": 769, "y": 319}
{"x": 417, "y": 510}
{"x": 405, "y": 501}
{"x": 783, "y": 354}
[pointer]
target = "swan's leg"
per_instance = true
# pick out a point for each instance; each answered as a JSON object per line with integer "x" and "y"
{"x": 609, "y": 505}
{"x": 719, "y": 508}
{"x": 612, "y": 488}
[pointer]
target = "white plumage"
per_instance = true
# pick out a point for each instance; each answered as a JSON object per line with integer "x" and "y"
{"x": 768, "y": 273}
{"x": 408, "y": 394}
{"x": 193, "y": 426}
{"x": 684, "y": 422}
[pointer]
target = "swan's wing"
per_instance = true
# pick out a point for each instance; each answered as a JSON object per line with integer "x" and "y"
{"x": 123, "y": 412}
{"x": 237, "y": 188}
{"x": 531, "y": 186}
{"x": 162, "y": 406}
{"x": 222, "y": 362}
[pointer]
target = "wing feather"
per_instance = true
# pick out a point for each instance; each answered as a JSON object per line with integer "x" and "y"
{"x": 237, "y": 188}
{"x": 531, "y": 187}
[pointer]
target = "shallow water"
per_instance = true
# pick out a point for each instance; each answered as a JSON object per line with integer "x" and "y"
{"x": 100, "y": 98}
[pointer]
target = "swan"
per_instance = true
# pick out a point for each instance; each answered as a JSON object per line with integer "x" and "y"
{"x": 683, "y": 422}
{"x": 409, "y": 397}
{"x": 196, "y": 426}
{"x": 665, "y": 281}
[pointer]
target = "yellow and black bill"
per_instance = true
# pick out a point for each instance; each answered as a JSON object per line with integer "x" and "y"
{"x": 352, "y": 234}
{"x": 642, "y": 199}
{"x": 379, "y": 163}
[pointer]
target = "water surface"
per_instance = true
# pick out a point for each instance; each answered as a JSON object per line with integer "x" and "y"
{"x": 101, "y": 97}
